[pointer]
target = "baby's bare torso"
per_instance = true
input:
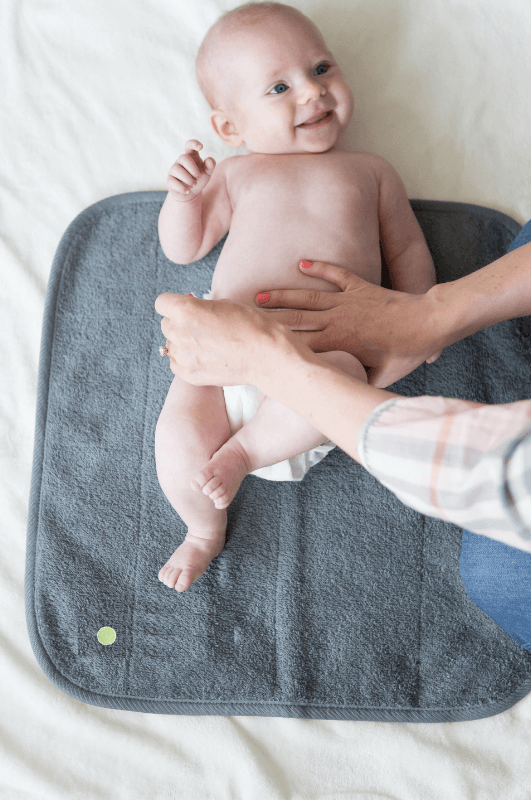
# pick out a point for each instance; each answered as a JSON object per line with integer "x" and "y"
{"x": 322, "y": 207}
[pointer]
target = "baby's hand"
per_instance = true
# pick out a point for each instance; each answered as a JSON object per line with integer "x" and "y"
{"x": 189, "y": 175}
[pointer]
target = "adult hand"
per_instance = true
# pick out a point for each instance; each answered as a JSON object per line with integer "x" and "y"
{"x": 390, "y": 332}
{"x": 222, "y": 343}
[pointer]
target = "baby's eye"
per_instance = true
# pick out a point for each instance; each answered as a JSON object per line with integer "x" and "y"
{"x": 274, "y": 89}
{"x": 326, "y": 68}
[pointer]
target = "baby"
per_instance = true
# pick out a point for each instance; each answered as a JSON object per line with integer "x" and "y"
{"x": 274, "y": 87}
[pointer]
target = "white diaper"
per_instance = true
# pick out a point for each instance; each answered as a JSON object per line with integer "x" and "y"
{"x": 241, "y": 403}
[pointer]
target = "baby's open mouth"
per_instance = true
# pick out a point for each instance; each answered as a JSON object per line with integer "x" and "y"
{"x": 323, "y": 118}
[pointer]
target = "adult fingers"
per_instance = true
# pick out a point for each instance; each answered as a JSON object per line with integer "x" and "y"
{"x": 312, "y": 299}
{"x": 167, "y": 302}
{"x": 317, "y": 341}
{"x": 343, "y": 278}
{"x": 165, "y": 327}
{"x": 434, "y": 357}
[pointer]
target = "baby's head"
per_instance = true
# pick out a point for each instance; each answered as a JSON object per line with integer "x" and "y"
{"x": 265, "y": 70}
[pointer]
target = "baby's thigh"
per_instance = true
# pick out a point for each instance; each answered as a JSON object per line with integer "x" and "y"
{"x": 193, "y": 418}
{"x": 345, "y": 362}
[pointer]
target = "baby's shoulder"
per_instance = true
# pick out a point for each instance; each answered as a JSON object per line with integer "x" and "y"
{"x": 232, "y": 164}
{"x": 366, "y": 166}
{"x": 236, "y": 167}
{"x": 369, "y": 160}
{"x": 231, "y": 161}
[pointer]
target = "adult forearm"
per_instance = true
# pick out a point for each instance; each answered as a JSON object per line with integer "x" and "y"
{"x": 181, "y": 228}
{"x": 332, "y": 401}
{"x": 499, "y": 291}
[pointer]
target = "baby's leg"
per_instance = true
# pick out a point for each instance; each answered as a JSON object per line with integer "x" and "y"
{"x": 273, "y": 434}
{"x": 193, "y": 424}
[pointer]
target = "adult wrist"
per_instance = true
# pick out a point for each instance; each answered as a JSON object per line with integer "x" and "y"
{"x": 280, "y": 356}
{"x": 494, "y": 293}
{"x": 443, "y": 316}
{"x": 458, "y": 311}
{"x": 333, "y": 402}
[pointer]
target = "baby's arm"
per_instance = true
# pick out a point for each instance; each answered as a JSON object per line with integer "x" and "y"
{"x": 194, "y": 216}
{"x": 404, "y": 246}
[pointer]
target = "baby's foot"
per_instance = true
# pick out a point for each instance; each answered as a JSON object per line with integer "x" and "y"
{"x": 220, "y": 478}
{"x": 190, "y": 560}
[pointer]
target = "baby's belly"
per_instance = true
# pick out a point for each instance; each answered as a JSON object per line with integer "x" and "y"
{"x": 240, "y": 276}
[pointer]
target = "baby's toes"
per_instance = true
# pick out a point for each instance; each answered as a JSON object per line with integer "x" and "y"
{"x": 169, "y": 575}
{"x": 207, "y": 483}
{"x": 199, "y": 480}
{"x": 214, "y": 488}
{"x": 218, "y": 492}
{"x": 222, "y": 501}
{"x": 204, "y": 481}
{"x": 177, "y": 578}
{"x": 186, "y": 578}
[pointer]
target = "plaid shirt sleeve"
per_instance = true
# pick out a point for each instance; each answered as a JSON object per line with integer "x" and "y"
{"x": 466, "y": 463}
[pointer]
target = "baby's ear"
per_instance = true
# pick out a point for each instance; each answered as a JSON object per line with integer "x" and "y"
{"x": 225, "y": 129}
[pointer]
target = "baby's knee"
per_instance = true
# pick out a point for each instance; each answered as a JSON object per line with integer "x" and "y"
{"x": 346, "y": 362}
{"x": 191, "y": 433}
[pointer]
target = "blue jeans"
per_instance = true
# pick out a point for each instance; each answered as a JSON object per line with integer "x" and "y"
{"x": 498, "y": 577}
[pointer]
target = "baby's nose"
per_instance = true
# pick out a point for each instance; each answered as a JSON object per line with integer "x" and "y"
{"x": 310, "y": 91}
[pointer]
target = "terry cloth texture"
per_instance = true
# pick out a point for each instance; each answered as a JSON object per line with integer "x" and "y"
{"x": 330, "y": 600}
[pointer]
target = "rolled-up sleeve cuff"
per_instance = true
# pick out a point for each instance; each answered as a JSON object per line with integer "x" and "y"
{"x": 515, "y": 489}
{"x": 456, "y": 460}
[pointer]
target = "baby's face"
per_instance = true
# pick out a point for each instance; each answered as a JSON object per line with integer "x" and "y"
{"x": 279, "y": 76}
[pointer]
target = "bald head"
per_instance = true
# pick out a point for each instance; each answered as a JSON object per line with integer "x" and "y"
{"x": 213, "y": 58}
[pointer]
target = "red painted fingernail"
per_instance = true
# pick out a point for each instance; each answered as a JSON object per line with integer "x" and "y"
{"x": 190, "y": 295}
{"x": 305, "y": 264}
{"x": 263, "y": 298}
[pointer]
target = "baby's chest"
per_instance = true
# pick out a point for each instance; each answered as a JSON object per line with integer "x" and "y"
{"x": 329, "y": 201}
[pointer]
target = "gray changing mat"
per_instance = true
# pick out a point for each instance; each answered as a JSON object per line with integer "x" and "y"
{"x": 331, "y": 599}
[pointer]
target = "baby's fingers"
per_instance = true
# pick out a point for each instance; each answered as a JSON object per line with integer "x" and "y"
{"x": 192, "y": 156}
{"x": 180, "y": 179}
{"x": 192, "y": 148}
{"x": 186, "y": 173}
{"x": 189, "y": 174}
{"x": 191, "y": 145}
{"x": 173, "y": 185}
{"x": 189, "y": 163}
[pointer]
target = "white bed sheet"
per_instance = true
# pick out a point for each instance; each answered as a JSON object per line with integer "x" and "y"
{"x": 97, "y": 99}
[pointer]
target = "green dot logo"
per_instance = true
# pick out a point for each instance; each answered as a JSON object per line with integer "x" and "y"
{"x": 106, "y": 635}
